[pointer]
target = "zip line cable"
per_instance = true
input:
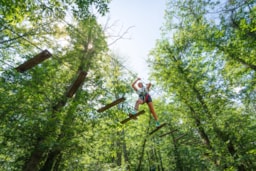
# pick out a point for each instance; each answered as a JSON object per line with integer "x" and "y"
{"x": 6, "y": 63}
{"x": 77, "y": 30}
{"x": 130, "y": 72}
{"x": 80, "y": 34}
{"x": 127, "y": 107}
{"x": 55, "y": 54}
{"x": 22, "y": 37}
{"x": 122, "y": 65}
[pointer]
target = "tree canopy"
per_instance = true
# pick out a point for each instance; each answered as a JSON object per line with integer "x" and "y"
{"x": 203, "y": 72}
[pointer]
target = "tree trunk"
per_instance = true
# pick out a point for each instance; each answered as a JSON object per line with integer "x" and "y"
{"x": 119, "y": 149}
{"x": 51, "y": 161}
{"x": 141, "y": 154}
{"x": 152, "y": 158}
{"x": 32, "y": 164}
{"x": 230, "y": 146}
{"x": 207, "y": 111}
{"x": 235, "y": 57}
{"x": 176, "y": 155}
{"x": 161, "y": 161}
{"x": 203, "y": 135}
{"x": 40, "y": 153}
{"x": 126, "y": 155}
{"x": 57, "y": 163}
{"x": 143, "y": 148}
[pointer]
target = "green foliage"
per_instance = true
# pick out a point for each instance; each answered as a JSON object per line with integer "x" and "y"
{"x": 204, "y": 76}
{"x": 202, "y": 70}
{"x": 13, "y": 12}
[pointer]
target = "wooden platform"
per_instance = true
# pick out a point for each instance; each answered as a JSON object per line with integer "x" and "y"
{"x": 111, "y": 104}
{"x": 76, "y": 84}
{"x": 34, "y": 61}
{"x": 157, "y": 128}
{"x": 168, "y": 133}
{"x": 181, "y": 136}
{"x": 132, "y": 117}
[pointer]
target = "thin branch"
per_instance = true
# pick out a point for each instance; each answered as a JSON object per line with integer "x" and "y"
{"x": 121, "y": 36}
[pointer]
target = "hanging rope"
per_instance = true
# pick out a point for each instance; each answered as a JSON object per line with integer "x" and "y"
{"x": 22, "y": 37}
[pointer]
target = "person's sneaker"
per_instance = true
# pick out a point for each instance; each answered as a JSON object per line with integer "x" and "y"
{"x": 133, "y": 112}
{"x": 157, "y": 124}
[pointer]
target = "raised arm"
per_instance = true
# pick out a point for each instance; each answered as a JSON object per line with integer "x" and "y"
{"x": 133, "y": 84}
{"x": 148, "y": 86}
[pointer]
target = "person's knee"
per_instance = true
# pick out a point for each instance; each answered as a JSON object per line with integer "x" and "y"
{"x": 139, "y": 101}
{"x": 150, "y": 104}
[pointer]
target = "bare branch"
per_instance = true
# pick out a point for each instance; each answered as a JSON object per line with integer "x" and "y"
{"x": 112, "y": 34}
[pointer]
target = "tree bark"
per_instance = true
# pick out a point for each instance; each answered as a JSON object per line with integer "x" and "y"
{"x": 176, "y": 155}
{"x": 40, "y": 153}
{"x": 143, "y": 149}
{"x": 32, "y": 164}
{"x": 230, "y": 146}
{"x": 142, "y": 154}
{"x": 51, "y": 160}
{"x": 119, "y": 149}
{"x": 234, "y": 56}
{"x": 126, "y": 155}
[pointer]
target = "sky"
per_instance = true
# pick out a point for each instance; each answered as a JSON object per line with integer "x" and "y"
{"x": 144, "y": 18}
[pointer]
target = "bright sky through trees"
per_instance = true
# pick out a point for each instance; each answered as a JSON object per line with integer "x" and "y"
{"x": 145, "y": 17}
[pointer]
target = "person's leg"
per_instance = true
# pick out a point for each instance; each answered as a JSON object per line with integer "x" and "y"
{"x": 136, "y": 107}
{"x": 152, "y": 110}
{"x": 137, "y": 104}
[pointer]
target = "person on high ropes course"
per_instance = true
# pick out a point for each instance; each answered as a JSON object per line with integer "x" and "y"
{"x": 144, "y": 97}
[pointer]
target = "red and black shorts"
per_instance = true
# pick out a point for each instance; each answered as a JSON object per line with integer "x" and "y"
{"x": 147, "y": 98}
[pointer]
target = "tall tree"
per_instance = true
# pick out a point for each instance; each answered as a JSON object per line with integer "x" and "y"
{"x": 40, "y": 94}
{"x": 190, "y": 63}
